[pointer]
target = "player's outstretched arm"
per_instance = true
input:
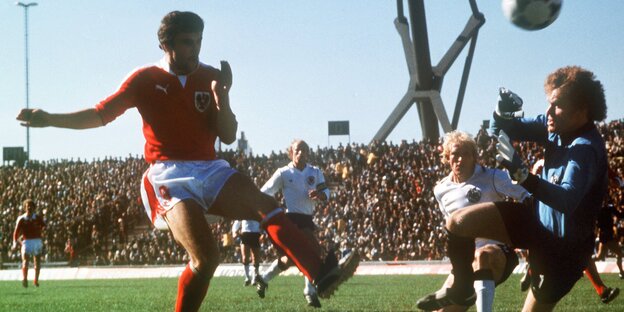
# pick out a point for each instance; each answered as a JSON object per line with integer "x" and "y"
{"x": 38, "y": 118}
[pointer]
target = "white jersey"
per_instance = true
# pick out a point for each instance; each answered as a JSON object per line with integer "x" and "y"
{"x": 295, "y": 185}
{"x": 246, "y": 226}
{"x": 485, "y": 185}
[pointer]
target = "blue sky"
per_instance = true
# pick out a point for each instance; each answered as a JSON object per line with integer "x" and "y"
{"x": 297, "y": 65}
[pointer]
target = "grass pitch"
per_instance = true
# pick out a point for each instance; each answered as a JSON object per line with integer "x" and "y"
{"x": 361, "y": 293}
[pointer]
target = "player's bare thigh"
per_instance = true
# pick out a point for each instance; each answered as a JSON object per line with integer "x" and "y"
{"x": 479, "y": 220}
{"x": 25, "y": 258}
{"x": 191, "y": 230}
{"x": 240, "y": 199}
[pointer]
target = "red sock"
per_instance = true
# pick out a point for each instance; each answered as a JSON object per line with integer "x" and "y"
{"x": 597, "y": 283}
{"x": 192, "y": 288}
{"x": 25, "y": 272}
{"x": 293, "y": 243}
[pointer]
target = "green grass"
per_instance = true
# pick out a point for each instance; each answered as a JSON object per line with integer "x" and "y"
{"x": 361, "y": 293}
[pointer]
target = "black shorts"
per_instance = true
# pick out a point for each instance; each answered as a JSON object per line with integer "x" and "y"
{"x": 302, "y": 221}
{"x": 555, "y": 264}
{"x": 510, "y": 264}
{"x": 251, "y": 239}
{"x": 606, "y": 236}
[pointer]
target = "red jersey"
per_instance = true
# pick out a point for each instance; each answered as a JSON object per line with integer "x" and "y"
{"x": 179, "y": 112}
{"x": 28, "y": 227}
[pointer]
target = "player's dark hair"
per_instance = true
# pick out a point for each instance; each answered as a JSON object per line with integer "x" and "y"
{"x": 178, "y": 22}
{"x": 582, "y": 88}
{"x": 28, "y": 202}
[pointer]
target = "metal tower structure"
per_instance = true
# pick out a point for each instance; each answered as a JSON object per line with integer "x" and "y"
{"x": 426, "y": 80}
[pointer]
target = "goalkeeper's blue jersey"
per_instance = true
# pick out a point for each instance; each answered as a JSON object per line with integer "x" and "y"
{"x": 573, "y": 181}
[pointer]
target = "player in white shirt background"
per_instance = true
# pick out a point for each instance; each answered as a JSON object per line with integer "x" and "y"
{"x": 249, "y": 233}
{"x": 302, "y": 186}
{"x": 469, "y": 183}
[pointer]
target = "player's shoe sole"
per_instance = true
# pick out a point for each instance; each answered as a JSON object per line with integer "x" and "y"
{"x": 337, "y": 273}
{"x": 442, "y": 298}
{"x": 609, "y": 294}
{"x": 313, "y": 301}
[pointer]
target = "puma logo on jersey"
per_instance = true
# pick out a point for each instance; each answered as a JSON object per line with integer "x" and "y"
{"x": 163, "y": 89}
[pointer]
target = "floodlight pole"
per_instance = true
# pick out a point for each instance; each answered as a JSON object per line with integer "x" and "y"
{"x": 26, "y": 6}
{"x": 426, "y": 80}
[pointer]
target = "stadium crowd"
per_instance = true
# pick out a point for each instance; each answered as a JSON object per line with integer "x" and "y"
{"x": 381, "y": 204}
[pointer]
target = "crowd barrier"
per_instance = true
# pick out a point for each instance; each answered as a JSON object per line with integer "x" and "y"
{"x": 234, "y": 269}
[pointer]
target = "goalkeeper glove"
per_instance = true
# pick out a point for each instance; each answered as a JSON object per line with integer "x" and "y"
{"x": 509, "y": 104}
{"x": 509, "y": 158}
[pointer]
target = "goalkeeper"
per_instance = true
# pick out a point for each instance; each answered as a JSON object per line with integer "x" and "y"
{"x": 558, "y": 230}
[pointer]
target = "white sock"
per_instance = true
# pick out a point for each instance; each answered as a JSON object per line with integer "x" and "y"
{"x": 273, "y": 271}
{"x": 246, "y": 266}
{"x": 485, "y": 295}
{"x": 309, "y": 289}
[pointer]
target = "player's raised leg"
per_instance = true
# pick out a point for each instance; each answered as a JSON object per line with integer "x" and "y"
{"x": 240, "y": 199}
{"x": 190, "y": 229}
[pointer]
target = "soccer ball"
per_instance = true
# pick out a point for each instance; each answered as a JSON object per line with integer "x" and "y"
{"x": 531, "y": 14}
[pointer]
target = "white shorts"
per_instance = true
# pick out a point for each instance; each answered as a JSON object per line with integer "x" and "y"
{"x": 32, "y": 247}
{"x": 166, "y": 183}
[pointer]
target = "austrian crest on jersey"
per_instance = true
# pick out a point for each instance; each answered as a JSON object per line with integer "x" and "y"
{"x": 202, "y": 100}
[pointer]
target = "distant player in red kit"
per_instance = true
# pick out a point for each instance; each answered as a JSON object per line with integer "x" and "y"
{"x": 29, "y": 227}
{"x": 184, "y": 105}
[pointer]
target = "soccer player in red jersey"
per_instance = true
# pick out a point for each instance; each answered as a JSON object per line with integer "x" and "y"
{"x": 185, "y": 106}
{"x": 29, "y": 227}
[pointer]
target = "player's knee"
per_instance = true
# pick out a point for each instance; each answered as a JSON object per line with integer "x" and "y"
{"x": 482, "y": 258}
{"x": 205, "y": 266}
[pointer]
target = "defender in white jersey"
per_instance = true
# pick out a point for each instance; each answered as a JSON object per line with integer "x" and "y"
{"x": 302, "y": 185}
{"x": 249, "y": 232}
{"x": 469, "y": 183}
